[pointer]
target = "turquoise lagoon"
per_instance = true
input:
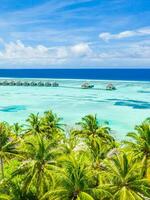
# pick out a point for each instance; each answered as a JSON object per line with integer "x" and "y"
{"x": 122, "y": 108}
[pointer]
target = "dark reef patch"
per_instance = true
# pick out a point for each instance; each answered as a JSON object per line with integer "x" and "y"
{"x": 13, "y": 108}
{"x": 144, "y": 91}
{"x": 131, "y": 103}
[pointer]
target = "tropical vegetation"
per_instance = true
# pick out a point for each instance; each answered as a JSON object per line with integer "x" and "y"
{"x": 47, "y": 160}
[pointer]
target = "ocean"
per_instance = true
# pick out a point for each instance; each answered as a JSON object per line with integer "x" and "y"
{"x": 122, "y": 108}
{"x": 97, "y": 74}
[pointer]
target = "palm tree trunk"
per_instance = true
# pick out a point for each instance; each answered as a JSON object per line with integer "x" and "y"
{"x": 144, "y": 168}
{"x": 2, "y": 167}
{"x": 38, "y": 184}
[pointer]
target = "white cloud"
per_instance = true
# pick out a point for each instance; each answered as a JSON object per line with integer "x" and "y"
{"x": 106, "y": 36}
{"x": 130, "y": 51}
{"x": 81, "y": 49}
{"x": 17, "y": 52}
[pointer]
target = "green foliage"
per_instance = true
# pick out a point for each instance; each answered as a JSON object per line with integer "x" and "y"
{"x": 42, "y": 161}
{"x": 140, "y": 145}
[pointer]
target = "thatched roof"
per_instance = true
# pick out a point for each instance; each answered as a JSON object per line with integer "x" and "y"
{"x": 5, "y": 82}
{"x": 86, "y": 85}
{"x": 55, "y": 84}
{"x": 19, "y": 83}
{"x": 33, "y": 83}
{"x": 26, "y": 83}
{"x": 40, "y": 83}
{"x": 48, "y": 84}
{"x": 110, "y": 86}
{"x": 12, "y": 82}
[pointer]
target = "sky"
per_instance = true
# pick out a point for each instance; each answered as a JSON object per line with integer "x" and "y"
{"x": 75, "y": 33}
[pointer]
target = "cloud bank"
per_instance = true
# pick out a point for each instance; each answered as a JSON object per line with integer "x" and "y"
{"x": 19, "y": 53}
{"x": 16, "y": 54}
{"x": 106, "y": 36}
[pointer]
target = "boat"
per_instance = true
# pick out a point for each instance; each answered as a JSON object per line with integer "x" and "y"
{"x": 86, "y": 85}
{"x": 110, "y": 86}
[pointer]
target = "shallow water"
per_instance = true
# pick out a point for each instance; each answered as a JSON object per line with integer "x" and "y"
{"x": 122, "y": 108}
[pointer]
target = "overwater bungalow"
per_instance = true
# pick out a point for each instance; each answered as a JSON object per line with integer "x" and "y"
{"x": 55, "y": 84}
{"x": 40, "y": 84}
{"x": 86, "y": 85}
{"x": 33, "y": 83}
{"x": 19, "y": 83}
{"x": 12, "y": 83}
{"x": 26, "y": 83}
{"x": 110, "y": 86}
{"x": 48, "y": 84}
{"x": 5, "y": 83}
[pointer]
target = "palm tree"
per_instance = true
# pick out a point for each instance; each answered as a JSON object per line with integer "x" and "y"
{"x": 38, "y": 165}
{"x": 4, "y": 197}
{"x": 140, "y": 145}
{"x": 18, "y": 194}
{"x": 51, "y": 125}
{"x": 98, "y": 153}
{"x": 34, "y": 124}
{"x": 124, "y": 179}
{"x": 90, "y": 128}
{"x": 73, "y": 182}
{"x": 17, "y": 129}
{"x": 7, "y": 146}
{"x": 70, "y": 143}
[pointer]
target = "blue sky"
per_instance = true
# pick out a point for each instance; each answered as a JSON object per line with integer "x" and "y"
{"x": 74, "y": 33}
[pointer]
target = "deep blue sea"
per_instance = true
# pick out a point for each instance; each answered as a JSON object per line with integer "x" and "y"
{"x": 99, "y": 74}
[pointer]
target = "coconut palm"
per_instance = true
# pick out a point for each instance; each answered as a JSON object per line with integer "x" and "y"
{"x": 90, "y": 128}
{"x": 12, "y": 190}
{"x": 17, "y": 129}
{"x": 98, "y": 153}
{"x": 51, "y": 125}
{"x": 34, "y": 124}
{"x": 70, "y": 144}
{"x": 49, "y": 163}
{"x": 73, "y": 182}
{"x": 7, "y": 146}
{"x": 38, "y": 164}
{"x": 18, "y": 194}
{"x": 140, "y": 145}
{"x": 124, "y": 179}
{"x": 4, "y": 197}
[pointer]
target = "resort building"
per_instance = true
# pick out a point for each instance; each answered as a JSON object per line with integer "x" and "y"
{"x": 110, "y": 86}
{"x": 86, "y": 85}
